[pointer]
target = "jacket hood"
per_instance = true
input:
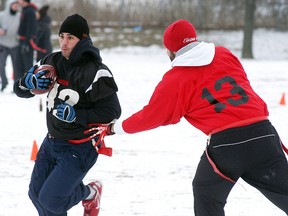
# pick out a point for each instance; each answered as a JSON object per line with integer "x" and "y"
{"x": 8, "y": 4}
{"x": 84, "y": 49}
{"x": 10, "y": 22}
{"x": 200, "y": 55}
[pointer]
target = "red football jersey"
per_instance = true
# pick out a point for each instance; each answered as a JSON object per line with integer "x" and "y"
{"x": 208, "y": 96}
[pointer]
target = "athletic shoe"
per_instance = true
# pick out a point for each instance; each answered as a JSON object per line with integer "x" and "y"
{"x": 92, "y": 206}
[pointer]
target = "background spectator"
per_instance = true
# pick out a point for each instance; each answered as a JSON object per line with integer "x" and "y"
{"x": 43, "y": 36}
{"x": 9, "y": 24}
{"x": 26, "y": 32}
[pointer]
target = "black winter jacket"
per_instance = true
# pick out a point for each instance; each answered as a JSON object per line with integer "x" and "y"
{"x": 28, "y": 24}
{"x": 43, "y": 37}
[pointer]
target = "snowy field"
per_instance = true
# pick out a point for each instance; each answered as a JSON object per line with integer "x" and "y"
{"x": 150, "y": 173}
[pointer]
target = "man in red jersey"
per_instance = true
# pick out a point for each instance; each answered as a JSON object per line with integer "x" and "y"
{"x": 208, "y": 86}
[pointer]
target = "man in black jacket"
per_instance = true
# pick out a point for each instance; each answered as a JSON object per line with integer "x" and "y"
{"x": 26, "y": 32}
{"x": 43, "y": 36}
{"x": 83, "y": 95}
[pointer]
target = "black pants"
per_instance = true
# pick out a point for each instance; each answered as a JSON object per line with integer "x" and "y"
{"x": 251, "y": 152}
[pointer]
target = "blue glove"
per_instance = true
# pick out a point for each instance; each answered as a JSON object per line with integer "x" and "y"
{"x": 65, "y": 112}
{"x": 35, "y": 81}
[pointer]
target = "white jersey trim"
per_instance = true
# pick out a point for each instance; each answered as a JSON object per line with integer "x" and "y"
{"x": 100, "y": 73}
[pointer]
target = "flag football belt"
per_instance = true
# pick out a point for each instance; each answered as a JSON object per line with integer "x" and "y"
{"x": 243, "y": 123}
{"x": 216, "y": 170}
{"x": 97, "y": 139}
{"x": 225, "y": 127}
{"x": 239, "y": 124}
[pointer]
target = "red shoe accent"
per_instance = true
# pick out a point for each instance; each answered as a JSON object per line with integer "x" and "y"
{"x": 92, "y": 207}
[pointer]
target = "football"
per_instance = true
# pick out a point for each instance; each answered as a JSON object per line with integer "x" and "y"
{"x": 51, "y": 74}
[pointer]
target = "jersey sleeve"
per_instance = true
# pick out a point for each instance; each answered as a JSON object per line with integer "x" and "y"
{"x": 102, "y": 96}
{"x": 21, "y": 92}
{"x": 103, "y": 84}
{"x": 104, "y": 111}
{"x": 164, "y": 108}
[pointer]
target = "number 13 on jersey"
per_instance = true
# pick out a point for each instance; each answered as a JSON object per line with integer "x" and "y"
{"x": 234, "y": 91}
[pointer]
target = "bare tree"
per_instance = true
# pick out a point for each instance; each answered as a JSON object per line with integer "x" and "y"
{"x": 250, "y": 6}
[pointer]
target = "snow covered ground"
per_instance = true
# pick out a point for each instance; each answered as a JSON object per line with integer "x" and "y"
{"x": 150, "y": 173}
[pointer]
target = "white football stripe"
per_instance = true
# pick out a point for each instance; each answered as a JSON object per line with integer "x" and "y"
{"x": 99, "y": 74}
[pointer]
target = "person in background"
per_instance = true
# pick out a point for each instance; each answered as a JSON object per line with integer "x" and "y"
{"x": 43, "y": 35}
{"x": 85, "y": 94}
{"x": 9, "y": 24}
{"x": 26, "y": 34}
{"x": 208, "y": 86}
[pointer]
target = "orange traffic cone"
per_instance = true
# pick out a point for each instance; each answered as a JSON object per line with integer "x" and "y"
{"x": 282, "y": 101}
{"x": 34, "y": 151}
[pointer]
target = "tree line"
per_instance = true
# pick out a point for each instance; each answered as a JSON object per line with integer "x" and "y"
{"x": 205, "y": 14}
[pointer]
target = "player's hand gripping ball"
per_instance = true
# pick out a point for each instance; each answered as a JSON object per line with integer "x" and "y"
{"x": 46, "y": 78}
